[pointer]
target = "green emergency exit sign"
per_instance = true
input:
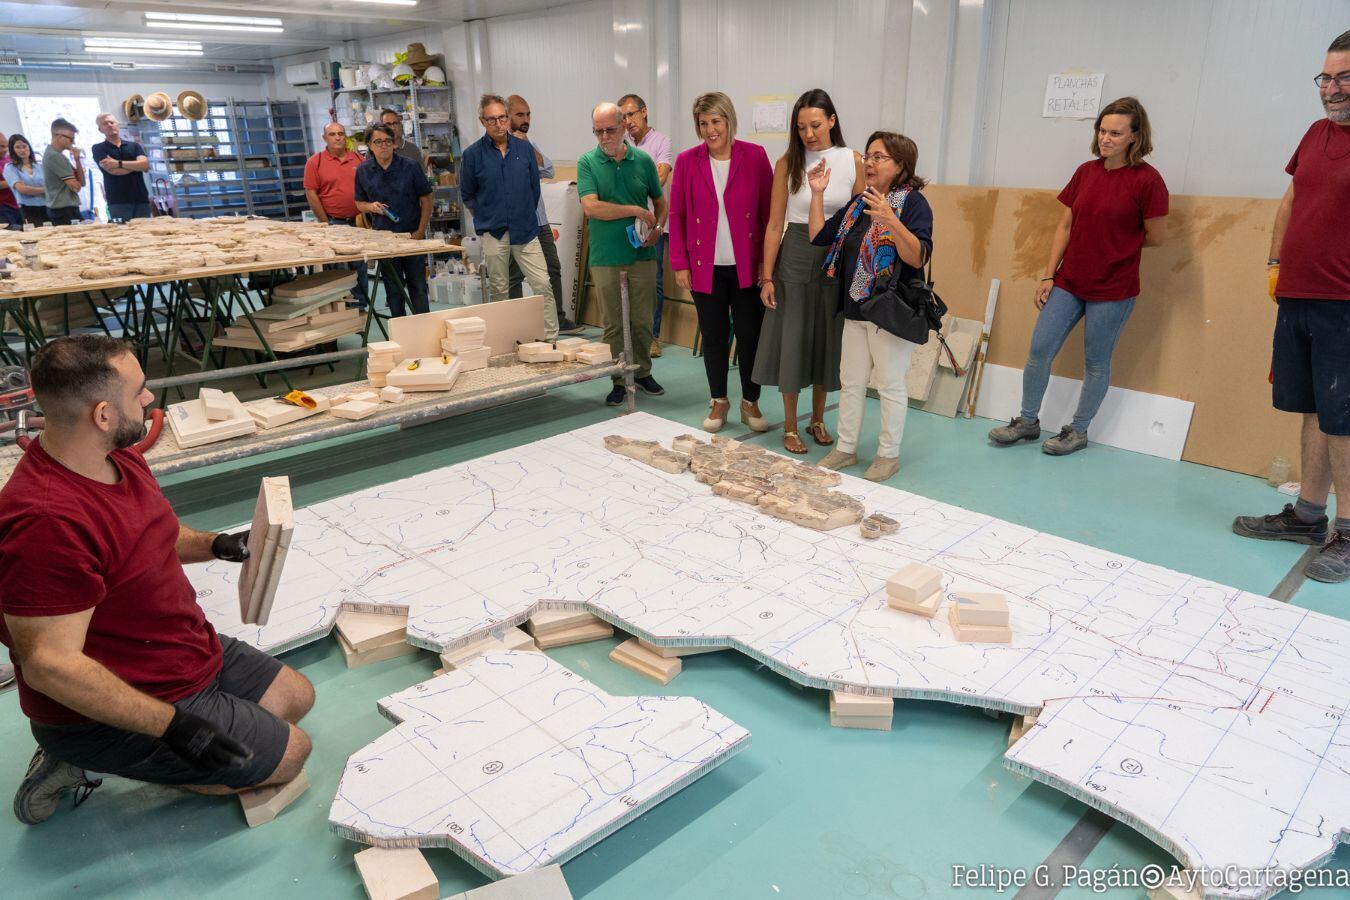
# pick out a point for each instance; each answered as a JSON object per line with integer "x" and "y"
{"x": 13, "y": 82}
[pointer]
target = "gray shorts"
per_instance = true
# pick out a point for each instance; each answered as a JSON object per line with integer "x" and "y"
{"x": 231, "y": 702}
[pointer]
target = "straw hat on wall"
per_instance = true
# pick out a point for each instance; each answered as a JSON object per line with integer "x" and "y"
{"x": 192, "y": 105}
{"x": 159, "y": 106}
{"x": 132, "y": 107}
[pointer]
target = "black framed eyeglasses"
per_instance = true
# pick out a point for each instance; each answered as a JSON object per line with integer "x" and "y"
{"x": 1342, "y": 80}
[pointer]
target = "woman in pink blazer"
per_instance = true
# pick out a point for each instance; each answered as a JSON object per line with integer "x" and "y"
{"x": 719, "y": 206}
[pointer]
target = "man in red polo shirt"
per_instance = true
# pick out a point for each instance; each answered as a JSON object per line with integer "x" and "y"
{"x": 1310, "y": 269}
{"x": 119, "y": 672}
{"x": 330, "y": 187}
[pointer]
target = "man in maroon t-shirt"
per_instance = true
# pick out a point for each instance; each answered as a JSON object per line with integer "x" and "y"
{"x": 119, "y": 672}
{"x": 1310, "y": 265}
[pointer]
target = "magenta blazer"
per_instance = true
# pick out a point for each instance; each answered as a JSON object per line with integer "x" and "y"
{"x": 692, "y": 225}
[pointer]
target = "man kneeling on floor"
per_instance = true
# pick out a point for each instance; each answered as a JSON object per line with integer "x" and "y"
{"x": 118, "y": 669}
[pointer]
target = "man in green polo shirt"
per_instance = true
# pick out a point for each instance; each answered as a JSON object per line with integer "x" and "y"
{"x": 614, "y": 181}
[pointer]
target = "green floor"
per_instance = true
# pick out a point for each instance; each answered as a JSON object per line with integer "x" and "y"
{"x": 808, "y": 811}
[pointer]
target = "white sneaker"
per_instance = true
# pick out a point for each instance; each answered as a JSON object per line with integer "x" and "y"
{"x": 838, "y": 459}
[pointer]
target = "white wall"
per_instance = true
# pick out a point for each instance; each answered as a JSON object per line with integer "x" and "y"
{"x": 1227, "y": 82}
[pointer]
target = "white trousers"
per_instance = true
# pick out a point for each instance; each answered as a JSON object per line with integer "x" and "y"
{"x": 530, "y": 258}
{"x": 867, "y": 349}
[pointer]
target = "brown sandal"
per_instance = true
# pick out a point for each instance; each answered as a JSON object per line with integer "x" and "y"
{"x": 818, "y": 432}
{"x": 792, "y": 443}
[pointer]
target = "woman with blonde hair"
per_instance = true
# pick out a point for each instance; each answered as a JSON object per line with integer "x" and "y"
{"x": 799, "y": 345}
{"x": 1115, "y": 205}
{"x": 884, "y": 234}
{"x": 719, "y": 203}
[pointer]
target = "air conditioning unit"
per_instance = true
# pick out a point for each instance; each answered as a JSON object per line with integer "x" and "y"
{"x": 310, "y": 73}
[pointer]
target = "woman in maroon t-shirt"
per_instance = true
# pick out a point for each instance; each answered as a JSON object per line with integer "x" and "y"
{"x": 1116, "y": 206}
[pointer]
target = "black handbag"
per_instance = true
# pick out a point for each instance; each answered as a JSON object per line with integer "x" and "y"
{"x": 909, "y": 310}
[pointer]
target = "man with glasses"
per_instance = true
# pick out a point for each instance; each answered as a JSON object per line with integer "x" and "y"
{"x": 615, "y": 181}
{"x": 499, "y": 186}
{"x": 395, "y": 195}
{"x": 1310, "y": 280}
{"x": 657, "y": 146}
{"x": 519, "y": 111}
{"x": 403, "y": 147}
{"x": 64, "y": 178}
{"x": 124, "y": 165}
{"x": 330, "y": 188}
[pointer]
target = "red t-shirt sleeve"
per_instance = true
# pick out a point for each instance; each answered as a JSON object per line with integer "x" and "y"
{"x": 1153, "y": 197}
{"x": 1070, "y": 192}
{"x": 312, "y": 173}
{"x": 36, "y": 582}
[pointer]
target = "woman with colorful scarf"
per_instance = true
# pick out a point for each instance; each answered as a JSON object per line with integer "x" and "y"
{"x": 883, "y": 233}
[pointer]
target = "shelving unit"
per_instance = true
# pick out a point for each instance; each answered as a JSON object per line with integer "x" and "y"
{"x": 245, "y": 157}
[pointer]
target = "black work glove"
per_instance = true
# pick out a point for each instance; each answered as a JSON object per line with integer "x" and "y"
{"x": 200, "y": 743}
{"x": 230, "y": 547}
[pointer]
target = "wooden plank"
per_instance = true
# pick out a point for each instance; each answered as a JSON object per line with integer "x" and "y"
{"x": 401, "y": 874}
{"x": 508, "y": 322}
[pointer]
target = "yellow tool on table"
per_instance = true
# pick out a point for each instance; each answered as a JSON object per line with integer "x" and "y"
{"x": 299, "y": 398}
{"x": 414, "y": 365}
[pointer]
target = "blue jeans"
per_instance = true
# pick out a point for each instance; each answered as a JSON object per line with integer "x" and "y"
{"x": 413, "y": 269}
{"x": 1062, "y": 311}
{"x": 660, "y": 284}
{"x": 125, "y": 212}
{"x": 11, "y": 218}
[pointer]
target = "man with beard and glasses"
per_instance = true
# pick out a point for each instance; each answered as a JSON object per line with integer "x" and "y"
{"x": 1310, "y": 280}
{"x": 118, "y": 670}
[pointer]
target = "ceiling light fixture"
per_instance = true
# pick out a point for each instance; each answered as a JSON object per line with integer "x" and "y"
{"x": 141, "y": 47}
{"x": 205, "y": 22}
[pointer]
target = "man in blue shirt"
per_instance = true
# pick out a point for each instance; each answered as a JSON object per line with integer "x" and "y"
{"x": 395, "y": 195}
{"x": 499, "y": 186}
{"x": 124, "y": 165}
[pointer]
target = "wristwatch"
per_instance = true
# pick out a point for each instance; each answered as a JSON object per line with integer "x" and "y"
{"x": 119, "y": 163}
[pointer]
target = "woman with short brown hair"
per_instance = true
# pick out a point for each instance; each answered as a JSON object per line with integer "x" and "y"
{"x": 1115, "y": 205}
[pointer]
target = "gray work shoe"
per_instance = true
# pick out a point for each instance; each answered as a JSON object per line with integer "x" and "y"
{"x": 41, "y": 789}
{"x": 1019, "y": 429}
{"x": 882, "y": 468}
{"x": 6, "y": 676}
{"x": 1332, "y": 564}
{"x": 838, "y": 459}
{"x": 1069, "y": 440}
{"x": 1284, "y": 525}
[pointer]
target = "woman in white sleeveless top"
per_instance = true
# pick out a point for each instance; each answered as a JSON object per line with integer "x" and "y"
{"x": 800, "y": 339}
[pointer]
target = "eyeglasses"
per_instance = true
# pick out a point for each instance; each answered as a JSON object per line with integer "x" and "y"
{"x": 69, "y": 137}
{"x": 382, "y": 142}
{"x": 496, "y": 120}
{"x": 607, "y": 132}
{"x": 878, "y": 157}
{"x": 633, "y": 114}
{"x": 1342, "y": 80}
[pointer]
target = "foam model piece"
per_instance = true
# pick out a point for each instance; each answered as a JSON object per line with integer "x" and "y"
{"x": 631, "y": 654}
{"x": 396, "y": 874}
{"x": 516, "y": 763}
{"x": 1152, "y": 687}
{"x": 262, "y": 805}
{"x": 540, "y": 884}
{"x": 269, "y": 541}
{"x": 538, "y": 352}
{"x": 433, "y": 373}
{"x": 193, "y": 428}
{"x": 272, "y": 413}
{"x": 218, "y": 405}
{"x": 510, "y": 639}
{"x": 470, "y": 360}
{"x": 861, "y": 711}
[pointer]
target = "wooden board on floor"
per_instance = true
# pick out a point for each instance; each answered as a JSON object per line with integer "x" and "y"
{"x": 264, "y": 804}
